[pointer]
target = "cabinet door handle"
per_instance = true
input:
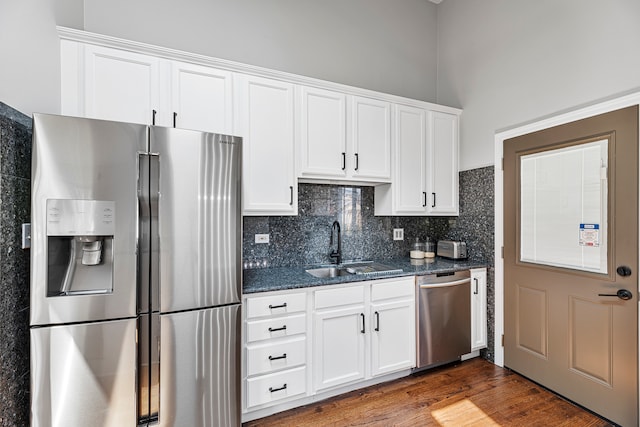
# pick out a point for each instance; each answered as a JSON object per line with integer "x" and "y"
{"x": 475, "y": 279}
{"x": 273, "y": 390}
{"x": 175, "y": 117}
{"x": 283, "y": 305}
{"x": 344, "y": 161}
{"x": 291, "y": 195}
{"x": 424, "y": 195}
{"x": 283, "y": 328}
{"x": 153, "y": 117}
{"x": 357, "y": 162}
{"x": 284, "y": 356}
{"x": 434, "y": 200}
{"x": 377, "y": 328}
{"x": 362, "y": 316}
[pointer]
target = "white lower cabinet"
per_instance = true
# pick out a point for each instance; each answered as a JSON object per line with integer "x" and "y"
{"x": 266, "y": 357}
{"x": 392, "y": 342}
{"x": 478, "y": 308}
{"x": 339, "y": 336}
{"x": 308, "y": 344}
{"x": 359, "y": 338}
{"x": 274, "y": 349}
{"x": 276, "y": 387}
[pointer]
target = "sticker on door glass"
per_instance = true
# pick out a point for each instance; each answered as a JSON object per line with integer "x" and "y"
{"x": 590, "y": 235}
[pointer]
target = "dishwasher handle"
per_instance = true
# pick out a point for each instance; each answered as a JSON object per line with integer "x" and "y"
{"x": 445, "y": 284}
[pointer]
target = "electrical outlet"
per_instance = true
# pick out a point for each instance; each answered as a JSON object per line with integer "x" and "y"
{"x": 262, "y": 238}
{"x": 26, "y": 236}
{"x": 398, "y": 234}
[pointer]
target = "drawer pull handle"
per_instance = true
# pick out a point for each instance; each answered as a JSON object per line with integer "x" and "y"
{"x": 283, "y": 328}
{"x": 475, "y": 279}
{"x": 284, "y": 356}
{"x": 273, "y": 390}
{"x": 278, "y": 306}
{"x": 377, "y": 328}
{"x": 362, "y": 331}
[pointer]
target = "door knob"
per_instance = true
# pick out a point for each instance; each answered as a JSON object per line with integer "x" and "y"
{"x": 622, "y": 294}
{"x": 623, "y": 271}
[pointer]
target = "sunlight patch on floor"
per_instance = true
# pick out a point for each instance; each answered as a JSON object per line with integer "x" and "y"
{"x": 462, "y": 413}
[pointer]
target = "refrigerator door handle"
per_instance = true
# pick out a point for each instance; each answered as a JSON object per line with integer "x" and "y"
{"x": 143, "y": 239}
{"x": 147, "y": 252}
{"x": 154, "y": 196}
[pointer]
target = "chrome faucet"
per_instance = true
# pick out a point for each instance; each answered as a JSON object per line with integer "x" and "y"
{"x": 335, "y": 253}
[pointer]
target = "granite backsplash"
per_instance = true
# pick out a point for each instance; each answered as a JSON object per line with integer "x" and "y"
{"x": 15, "y": 201}
{"x": 304, "y": 239}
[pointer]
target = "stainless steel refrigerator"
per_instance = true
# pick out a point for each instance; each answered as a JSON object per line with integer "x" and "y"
{"x": 135, "y": 275}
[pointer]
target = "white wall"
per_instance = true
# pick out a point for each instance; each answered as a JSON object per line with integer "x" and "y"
{"x": 30, "y": 71}
{"x": 376, "y": 44}
{"x": 383, "y": 45}
{"x": 29, "y": 52}
{"x": 507, "y": 62}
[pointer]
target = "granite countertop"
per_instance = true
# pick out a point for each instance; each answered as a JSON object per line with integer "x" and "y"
{"x": 281, "y": 278}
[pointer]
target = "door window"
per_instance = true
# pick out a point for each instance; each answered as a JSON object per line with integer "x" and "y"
{"x": 563, "y": 207}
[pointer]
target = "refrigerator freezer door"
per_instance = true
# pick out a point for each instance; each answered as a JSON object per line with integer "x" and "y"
{"x": 84, "y": 219}
{"x": 200, "y": 369}
{"x": 199, "y": 212}
{"x": 84, "y": 375}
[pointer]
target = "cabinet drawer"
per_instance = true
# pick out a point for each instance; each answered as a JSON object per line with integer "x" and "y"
{"x": 276, "y": 304}
{"x": 274, "y": 328}
{"x": 265, "y": 358}
{"x": 394, "y": 289}
{"x": 341, "y": 296}
{"x": 275, "y": 387}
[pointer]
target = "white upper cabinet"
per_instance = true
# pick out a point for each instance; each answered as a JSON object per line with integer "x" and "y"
{"x": 294, "y": 127}
{"x": 407, "y": 194}
{"x": 442, "y": 177}
{"x": 322, "y": 133}
{"x": 425, "y": 165}
{"x": 343, "y": 137}
{"x": 112, "y": 84}
{"x": 118, "y": 85}
{"x": 265, "y": 122}
{"x": 201, "y": 98}
{"x": 370, "y": 140}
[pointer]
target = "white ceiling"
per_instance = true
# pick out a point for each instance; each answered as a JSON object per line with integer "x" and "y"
{"x": 436, "y": 1}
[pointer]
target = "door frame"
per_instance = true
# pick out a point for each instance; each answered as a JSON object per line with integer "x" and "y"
{"x": 598, "y": 107}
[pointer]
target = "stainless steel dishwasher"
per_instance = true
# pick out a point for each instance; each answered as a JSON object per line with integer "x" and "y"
{"x": 444, "y": 317}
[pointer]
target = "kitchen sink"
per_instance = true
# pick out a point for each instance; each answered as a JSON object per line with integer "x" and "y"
{"x": 324, "y": 272}
{"x": 360, "y": 268}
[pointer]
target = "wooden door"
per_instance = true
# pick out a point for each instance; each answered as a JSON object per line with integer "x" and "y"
{"x": 571, "y": 261}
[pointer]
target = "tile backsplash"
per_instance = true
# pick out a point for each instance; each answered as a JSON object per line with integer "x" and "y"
{"x": 15, "y": 201}
{"x": 304, "y": 239}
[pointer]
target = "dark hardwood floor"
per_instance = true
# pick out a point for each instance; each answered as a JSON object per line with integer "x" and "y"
{"x": 471, "y": 393}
